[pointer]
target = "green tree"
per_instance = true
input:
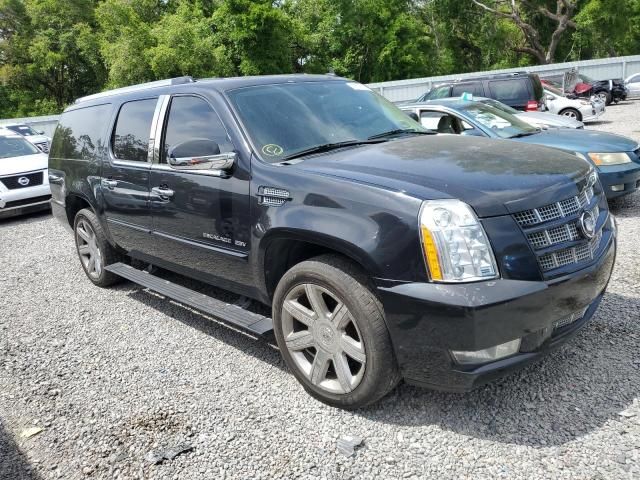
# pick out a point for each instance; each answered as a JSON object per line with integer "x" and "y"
{"x": 49, "y": 53}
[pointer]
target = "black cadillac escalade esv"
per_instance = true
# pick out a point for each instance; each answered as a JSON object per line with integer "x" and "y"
{"x": 386, "y": 252}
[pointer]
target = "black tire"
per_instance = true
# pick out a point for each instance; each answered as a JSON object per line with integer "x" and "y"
{"x": 576, "y": 113}
{"x": 108, "y": 254}
{"x": 607, "y": 95}
{"x": 347, "y": 282}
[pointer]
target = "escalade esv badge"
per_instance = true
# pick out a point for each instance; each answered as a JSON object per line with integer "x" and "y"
{"x": 587, "y": 224}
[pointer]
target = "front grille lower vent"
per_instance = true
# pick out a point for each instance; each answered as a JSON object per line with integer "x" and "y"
{"x": 568, "y": 320}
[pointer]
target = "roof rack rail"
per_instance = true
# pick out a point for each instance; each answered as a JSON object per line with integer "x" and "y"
{"x": 140, "y": 86}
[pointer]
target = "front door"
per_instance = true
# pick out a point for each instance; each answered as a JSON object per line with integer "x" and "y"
{"x": 200, "y": 217}
{"x": 125, "y": 176}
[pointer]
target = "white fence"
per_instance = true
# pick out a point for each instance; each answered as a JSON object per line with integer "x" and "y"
{"x": 599, "y": 69}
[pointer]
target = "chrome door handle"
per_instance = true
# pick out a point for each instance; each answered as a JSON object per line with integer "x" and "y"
{"x": 162, "y": 192}
{"x": 110, "y": 184}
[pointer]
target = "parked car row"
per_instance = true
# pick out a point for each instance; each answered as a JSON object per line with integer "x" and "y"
{"x": 616, "y": 158}
{"x": 580, "y": 85}
{"x": 385, "y": 250}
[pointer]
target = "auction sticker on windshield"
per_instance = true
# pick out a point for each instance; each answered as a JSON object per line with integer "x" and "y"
{"x": 272, "y": 150}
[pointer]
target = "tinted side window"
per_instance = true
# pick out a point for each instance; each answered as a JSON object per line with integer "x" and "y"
{"x": 509, "y": 90}
{"x": 191, "y": 118}
{"x": 132, "y": 131}
{"x": 474, "y": 88}
{"x": 79, "y": 134}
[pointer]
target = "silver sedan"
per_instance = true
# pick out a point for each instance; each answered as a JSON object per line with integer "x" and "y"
{"x": 581, "y": 109}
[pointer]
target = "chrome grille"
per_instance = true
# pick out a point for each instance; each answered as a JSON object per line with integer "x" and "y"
{"x": 554, "y": 231}
{"x": 554, "y": 211}
{"x": 566, "y": 256}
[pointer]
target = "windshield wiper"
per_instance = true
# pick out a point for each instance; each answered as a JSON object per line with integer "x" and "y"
{"x": 525, "y": 134}
{"x": 398, "y": 131}
{"x": 328, "y": 147}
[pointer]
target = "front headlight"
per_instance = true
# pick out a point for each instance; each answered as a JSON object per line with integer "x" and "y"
{"x": 617, "y": 158}
{"x": 456, "y": 247}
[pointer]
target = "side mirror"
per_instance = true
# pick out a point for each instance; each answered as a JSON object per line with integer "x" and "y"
{"x": 413, "y": 116}
{"x": 550, "y": 97}
{"x": 199, "y": 154}
{"x": 40, "y": 132}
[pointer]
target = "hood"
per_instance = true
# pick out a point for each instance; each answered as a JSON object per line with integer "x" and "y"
{"x": 550, "y": 119}
{"x": 581, "y": 141}
{"x": 493, "y": 176}
{"x": 23, "y": 164}
{"x": 581, "y": 88}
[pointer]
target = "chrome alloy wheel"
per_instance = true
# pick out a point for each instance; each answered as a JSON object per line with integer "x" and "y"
{"x": 88, "y": 249}
{"x": 602, "y": 96}
{"x": 323, "y": 339}
{"x": 570, "y": 114}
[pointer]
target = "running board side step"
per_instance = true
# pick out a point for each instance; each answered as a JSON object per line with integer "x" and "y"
{"x": 222, "y": 311}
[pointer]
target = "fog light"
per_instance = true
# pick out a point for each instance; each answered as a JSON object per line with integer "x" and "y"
{"x": 488, "y": 354}
{"x": 617, "y": 188}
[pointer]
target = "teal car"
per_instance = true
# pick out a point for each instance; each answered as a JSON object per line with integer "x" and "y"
{"x": 616, "y": 158}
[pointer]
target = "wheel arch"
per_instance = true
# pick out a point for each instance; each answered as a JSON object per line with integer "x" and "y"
{"x": 282, "y": 249}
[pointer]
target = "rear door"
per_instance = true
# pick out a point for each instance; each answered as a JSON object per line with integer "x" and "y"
{"x": 200, "y": 217}
{"x": 634, "y": 85}
{"x": 515, "y": 92}
{"x": 125, "y": 176}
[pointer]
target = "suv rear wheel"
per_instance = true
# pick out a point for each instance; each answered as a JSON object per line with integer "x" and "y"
{"x": 93, "y": 249}
{"x": 332, "y": 334}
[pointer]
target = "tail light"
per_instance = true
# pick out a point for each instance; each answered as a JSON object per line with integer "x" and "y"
{"x": 532, "y": 106}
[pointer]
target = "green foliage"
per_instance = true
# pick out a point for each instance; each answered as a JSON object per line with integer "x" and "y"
{"x": 52, "y": 51}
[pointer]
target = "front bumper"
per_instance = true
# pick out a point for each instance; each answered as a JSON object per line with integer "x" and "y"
{"x": 24, "y": 200}
{"x": 591, "y": 113}
{"x": 426, "y": 321}
{"x": 627, "y": 174}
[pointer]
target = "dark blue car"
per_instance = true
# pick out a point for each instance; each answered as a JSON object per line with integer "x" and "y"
{"x": 617, "y": 158}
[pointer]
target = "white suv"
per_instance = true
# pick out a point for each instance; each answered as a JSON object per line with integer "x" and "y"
{"x": 24, "y": 181}
{"x": 38, "y": 138}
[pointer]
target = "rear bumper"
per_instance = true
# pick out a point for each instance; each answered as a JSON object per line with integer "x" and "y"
{"x": 24, "y": 200}
{"x": 627, "y": 175}
{"x": 427, "y": 321}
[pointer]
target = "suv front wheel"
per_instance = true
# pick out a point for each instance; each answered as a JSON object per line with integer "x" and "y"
{"x": 331, "y": 331}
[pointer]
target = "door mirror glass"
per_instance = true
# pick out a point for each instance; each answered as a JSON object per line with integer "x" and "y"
{"x": 199, "y": 154}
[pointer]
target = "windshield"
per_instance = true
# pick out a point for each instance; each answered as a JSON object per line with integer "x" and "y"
{"x": 25, "y": 130}
{"x": 501, "y": 123}
{"x": 500, "y": 106}
{"x": 285, "y": 119}
{"x": 15, "y": 147}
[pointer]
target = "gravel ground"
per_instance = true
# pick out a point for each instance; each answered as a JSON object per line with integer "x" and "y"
{"x": 110, "y": 375}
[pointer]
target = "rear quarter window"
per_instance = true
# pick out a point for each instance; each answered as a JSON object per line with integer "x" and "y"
{"x": 80, "y": 133}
